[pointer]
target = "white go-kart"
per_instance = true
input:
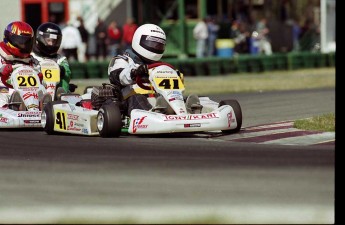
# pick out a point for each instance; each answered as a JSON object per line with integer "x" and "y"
{"x": 24, "y": 107}
{"x": 171, "y": 112}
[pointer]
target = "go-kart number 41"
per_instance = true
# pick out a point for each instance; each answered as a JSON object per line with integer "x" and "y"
{"x": 60, "y": 120}
{"x": 169, "y": 83}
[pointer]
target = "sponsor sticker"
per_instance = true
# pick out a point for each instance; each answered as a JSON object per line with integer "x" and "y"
{"x": 191, "y": 117}
{"x": 3, "y": 119}
{"x": 72, "y": 117}
{"x": 192, "y": 125}
{"x": 32, "y": 121}
{"x": 30, "y": 95}
{"x": 138, "y": 124}
{"x": 29, "y": 114}
{"x": 229, "y": 119}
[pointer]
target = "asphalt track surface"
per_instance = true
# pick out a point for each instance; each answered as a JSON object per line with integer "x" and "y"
{"x": 173, "y": 178}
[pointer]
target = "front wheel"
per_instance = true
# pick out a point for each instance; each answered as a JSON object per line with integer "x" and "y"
{"x": 109, "y": 122}
{"x": 238, "y": 114}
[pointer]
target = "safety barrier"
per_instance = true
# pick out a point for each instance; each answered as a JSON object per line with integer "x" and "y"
{"x": 222, "y": 65}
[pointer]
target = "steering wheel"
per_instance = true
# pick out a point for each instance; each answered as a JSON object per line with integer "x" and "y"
{"x": 141, "y": 81}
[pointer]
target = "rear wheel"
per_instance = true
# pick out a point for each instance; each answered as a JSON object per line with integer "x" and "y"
{"x": 88, "y": 89}
{"x": 48, "y": 117}
{"x": 109, "y": 122}
{"x": 238, "y": 114}
{"x": 59, "y": 92}
{"x": 45, "y": 99}
{"x": 16, "y": 103}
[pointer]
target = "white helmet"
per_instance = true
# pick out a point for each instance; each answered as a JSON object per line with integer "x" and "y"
{"x": 149, "y": 42}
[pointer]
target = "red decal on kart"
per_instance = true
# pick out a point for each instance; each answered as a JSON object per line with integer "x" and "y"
{"x": 24, "y": 72}
{"x": 73, "y": 128}
{"x": 52, "y": 86}
{"x": 72, "y": 117}
{"x": 29, "y": 95}
{"x": 192, "y": 125}
{"x": 229, "y": 118}
{"x": 3, "y": 120}
{"x": 32, "y": 121}
{"x": 27, "y": 89}
{"x": 192, "y": 117}
{"x": 137, "y": 123}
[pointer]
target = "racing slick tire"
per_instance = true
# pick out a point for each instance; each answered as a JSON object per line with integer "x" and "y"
{"x": 16, "y": 103}
{"x": 109, "y": 122}
{"x": 238, "y": 114}
{"x": 88, "y": 89}
{"x": 59, "y": 91}
{"x": 48, "y": 117}
{"x": 45, "y": 99}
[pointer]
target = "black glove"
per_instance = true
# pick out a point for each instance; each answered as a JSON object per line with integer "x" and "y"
{"x": 141, "y": 71}
{"x": 62, "y": 71}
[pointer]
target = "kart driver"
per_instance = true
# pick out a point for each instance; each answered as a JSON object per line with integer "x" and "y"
{"x": 15, "y": 48}
{"x": 148, "y": 46}
{"x": 46, "y": 46}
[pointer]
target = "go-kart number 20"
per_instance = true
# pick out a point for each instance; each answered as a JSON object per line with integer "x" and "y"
{"x": 169, "y": 83}
{"x": 60, "y": 120}
{"x": 27, "y": 81}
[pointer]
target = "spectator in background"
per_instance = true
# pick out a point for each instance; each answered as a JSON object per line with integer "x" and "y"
{"x": 241, "y": 37}
{"x": 128, "y": 31}
{"x": 263, "y": 37}
{"x": 213, "y": 29}
{"x": 101, "y": 37}
{"x": 296, "y": 32}
{"x": 200, "y": 34}
{"x": 114, "y": 39}
{"x": 83, "y": 55}
{"x": 310, "y": 36}
{"x": 71, "y": 42}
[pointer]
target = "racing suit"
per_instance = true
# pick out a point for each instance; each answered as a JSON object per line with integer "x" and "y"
{"x": 65, "y": 71}
{"x": 7, "y": 58}
{"x": 119, "y": 71}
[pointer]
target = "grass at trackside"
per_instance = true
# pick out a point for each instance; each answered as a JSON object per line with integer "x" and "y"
{"x": 246, "y": 82}
{"x": 268, "y": 81}
{"x": 324, "y": 123}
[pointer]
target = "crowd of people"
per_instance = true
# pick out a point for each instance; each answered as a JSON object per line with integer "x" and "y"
{"x": 256, "y": 41}
{"x": 252, "y": 37}
{"x": 113, "y": 38}
{"x": 109, "y": 40}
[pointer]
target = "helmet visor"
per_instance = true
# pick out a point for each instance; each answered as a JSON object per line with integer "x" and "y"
{"x": 153, "y": 44}
{"x": 51, "y": 39}
{"x": 22, "y": 42}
